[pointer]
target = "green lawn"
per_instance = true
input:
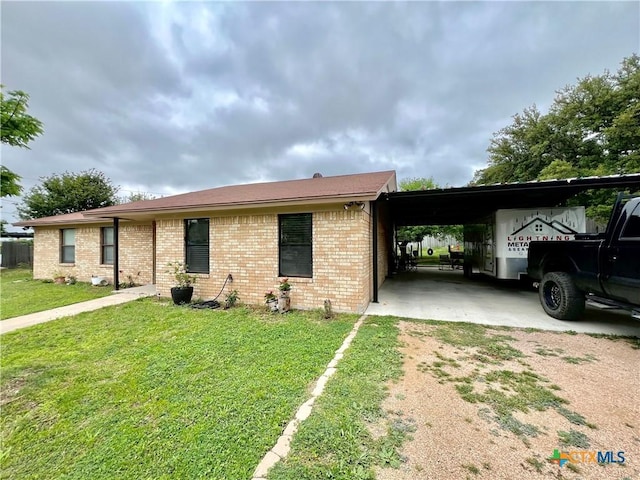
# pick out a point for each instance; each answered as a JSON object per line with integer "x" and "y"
{"x": 434, "y": 259}
{"x": 20, "y": 294}
{"x": 150, "y": 390}
{"x": 335, "y": 442}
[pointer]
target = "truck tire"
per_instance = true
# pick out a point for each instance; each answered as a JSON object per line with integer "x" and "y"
{"x": 559, "y": 296}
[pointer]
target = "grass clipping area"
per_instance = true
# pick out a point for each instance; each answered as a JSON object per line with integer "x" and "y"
{"x": 337, "y": 441}
{"x": 21, "y": 294}
{"x": 150, "y": 390}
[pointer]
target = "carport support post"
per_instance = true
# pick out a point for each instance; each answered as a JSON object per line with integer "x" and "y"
{"x": 374, "y": 233}
{"x": 116, "y": 256}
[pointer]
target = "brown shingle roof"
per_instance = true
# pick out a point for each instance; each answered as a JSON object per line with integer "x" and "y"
{"x": 64, "y": 219}
{"x": 322, "y": 188}
{"x": 362, "y": 185}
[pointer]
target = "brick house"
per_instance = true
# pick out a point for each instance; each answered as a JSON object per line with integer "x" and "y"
{"x": 329, "y": 235}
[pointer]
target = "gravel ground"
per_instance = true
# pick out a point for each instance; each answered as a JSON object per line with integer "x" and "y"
{"x": 454, "y": 439}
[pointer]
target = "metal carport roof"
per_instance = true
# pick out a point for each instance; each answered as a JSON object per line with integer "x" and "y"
{"x": 460, "y": 205}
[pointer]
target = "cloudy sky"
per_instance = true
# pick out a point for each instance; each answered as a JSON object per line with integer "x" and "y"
{"x": 168, "y": 97}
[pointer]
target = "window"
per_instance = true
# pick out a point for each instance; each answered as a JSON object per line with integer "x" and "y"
{"x": 107, "y": 245}
{"x": 632, "y": 227}
{"x": 68, "y": 245}
{"x": 295, "y": 245}
{"x": 196, "y": 241}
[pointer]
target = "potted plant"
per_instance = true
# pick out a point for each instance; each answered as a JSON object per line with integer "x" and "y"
{"x": 285, "y": 287}
{"x": 183, "y": 291}
{"x": 284, "y": 302}
{"x": 271, "y": 300}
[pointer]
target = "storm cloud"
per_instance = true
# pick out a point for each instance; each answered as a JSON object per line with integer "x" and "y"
{"x": 174, "y": 97}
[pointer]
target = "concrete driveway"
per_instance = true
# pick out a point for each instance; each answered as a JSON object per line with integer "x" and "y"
{"x": 435, "y": 294}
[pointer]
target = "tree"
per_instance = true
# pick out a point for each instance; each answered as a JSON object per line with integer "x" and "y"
{"x": 417, "y": 233}
{"x": 592, "y": 128}
{"x": 558, "y": 169}
{"x": 9, "y": 182}
{"x": 417, "y": 183}
{"x": 136, "y": 197}
{"x": 17, "y": 129}
{"x": 68, "y": 193}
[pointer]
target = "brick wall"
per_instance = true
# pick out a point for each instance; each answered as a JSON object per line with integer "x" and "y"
{"x": 246, "y": 246}
{"x": 136, "y": 253}
{"x": 243, "y": 245}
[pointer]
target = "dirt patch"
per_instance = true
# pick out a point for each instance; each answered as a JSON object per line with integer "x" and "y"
{"x": 11, "y": 389}
{"x": 495, "y": 404}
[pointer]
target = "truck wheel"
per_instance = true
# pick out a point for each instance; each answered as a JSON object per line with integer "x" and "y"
{"x": 560, "y": 297}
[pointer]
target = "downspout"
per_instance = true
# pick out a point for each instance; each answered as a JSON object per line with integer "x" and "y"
{"x": 116, "y": 254}
{"x": 374, "y": 219}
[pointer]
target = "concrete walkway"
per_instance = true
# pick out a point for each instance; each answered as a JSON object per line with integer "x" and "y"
{"x": 116, "y": 298}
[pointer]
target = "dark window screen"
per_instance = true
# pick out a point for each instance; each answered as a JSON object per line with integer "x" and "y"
{"x": 296, "y": 245}
{"x": 197, "y": 245}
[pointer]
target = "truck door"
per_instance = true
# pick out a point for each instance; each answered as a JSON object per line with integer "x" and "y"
{"x": 622, "y": 264}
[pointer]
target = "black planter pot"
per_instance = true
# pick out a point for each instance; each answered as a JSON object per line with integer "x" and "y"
{"x": 181, "y": 295}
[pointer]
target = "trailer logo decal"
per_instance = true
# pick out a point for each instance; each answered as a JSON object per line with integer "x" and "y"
{"x": 555, "y": 225}
{"x": 533, "y": 231}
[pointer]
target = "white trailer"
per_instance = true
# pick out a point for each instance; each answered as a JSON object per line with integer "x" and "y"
{"x": 498, "y": 246}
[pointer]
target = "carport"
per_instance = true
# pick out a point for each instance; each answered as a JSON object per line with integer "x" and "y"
{"x": 468, "y": 205}
{"x": 464, "y": 205}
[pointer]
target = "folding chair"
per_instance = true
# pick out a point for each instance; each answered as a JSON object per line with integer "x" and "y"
{"x": 445, "y": 260}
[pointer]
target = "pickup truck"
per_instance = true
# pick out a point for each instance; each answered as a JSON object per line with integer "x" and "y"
{"x": 604, "y": 268}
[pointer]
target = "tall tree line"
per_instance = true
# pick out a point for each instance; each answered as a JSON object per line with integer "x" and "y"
{"x": 592, "y": 128}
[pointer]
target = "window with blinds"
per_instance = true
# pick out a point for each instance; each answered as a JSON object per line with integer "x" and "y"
{"x": 68, "y": 245}
{"x": 196, "y": 239}
{"x": 295, "y": 245}
{"x": 107, "y": 245}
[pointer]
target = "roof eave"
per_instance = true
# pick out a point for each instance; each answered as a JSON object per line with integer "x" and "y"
{"x": 368, "y": 196}
{"x": 51, "y": 223}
